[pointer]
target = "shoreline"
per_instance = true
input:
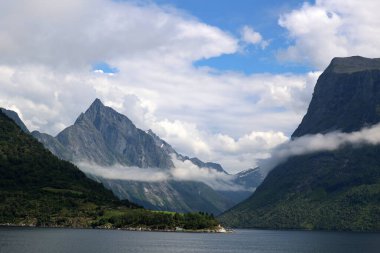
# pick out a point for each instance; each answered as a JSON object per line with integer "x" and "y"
{"x": 219, "y": 230}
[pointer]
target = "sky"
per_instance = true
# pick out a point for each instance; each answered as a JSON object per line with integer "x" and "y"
{"x": 226, "y": 81}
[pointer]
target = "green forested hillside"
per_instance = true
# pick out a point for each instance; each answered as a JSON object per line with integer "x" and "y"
{"x": 330, "y": 190}
{"x": 38, "y": 189}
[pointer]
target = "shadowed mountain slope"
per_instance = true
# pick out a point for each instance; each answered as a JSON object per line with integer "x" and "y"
{"x": 333, "y": 190}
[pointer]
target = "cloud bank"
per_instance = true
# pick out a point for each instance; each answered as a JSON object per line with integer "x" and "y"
{"x": 320, "y": 142}
{"x": 182, "y": 171}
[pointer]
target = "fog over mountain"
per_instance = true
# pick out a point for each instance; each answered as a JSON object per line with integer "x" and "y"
{"x": 313, "y": 143}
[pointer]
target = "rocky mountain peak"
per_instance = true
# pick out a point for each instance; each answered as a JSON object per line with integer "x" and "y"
{"x": 346, "y": 97}
{"x": 96, "y": 106}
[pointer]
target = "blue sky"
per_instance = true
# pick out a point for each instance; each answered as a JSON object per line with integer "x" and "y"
{"x": 231, "y": 16}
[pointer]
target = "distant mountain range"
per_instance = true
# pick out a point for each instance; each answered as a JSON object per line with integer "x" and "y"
{"x": 103, "y": 137}
{"x": 335, "y": 190}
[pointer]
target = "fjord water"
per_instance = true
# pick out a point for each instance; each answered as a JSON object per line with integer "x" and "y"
{"x": 41, "y": 240}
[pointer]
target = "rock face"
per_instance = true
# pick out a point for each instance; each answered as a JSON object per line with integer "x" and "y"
{"x": 334, "y": 190}
{"x": 53, "y": 145}
{"x": 104, "y": 137}
{"x": 346, "y": 97}
{"x": 178, "y": 196}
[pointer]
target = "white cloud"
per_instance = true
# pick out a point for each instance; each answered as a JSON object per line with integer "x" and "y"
{"x": 332, "y": 28}
{"x": 181, "y": 114}
{"x": 320, "y": 142}
{"x": 182, "y": 171}
{"x": 76, "y": 34}
{"x": 250, "y": 36}
{"x": 121, "y": 172}
{"x": 191, "y": 117}
{"x": 187, "y": 171}
{"x": 47, "y": 50}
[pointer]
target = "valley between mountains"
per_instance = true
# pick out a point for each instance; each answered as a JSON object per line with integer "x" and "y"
{"x": 326, "y": 177}
{"x": 139, "y": 166}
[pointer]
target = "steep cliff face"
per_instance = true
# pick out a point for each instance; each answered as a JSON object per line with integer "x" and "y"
{"x": 335, "y": 190}
{"x": 53, "y": 145}
{"x": 346, "y": 97}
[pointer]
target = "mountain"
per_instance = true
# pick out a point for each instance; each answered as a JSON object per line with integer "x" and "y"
{"x": 103, "y": 137}
{"x": 333, "y": 190}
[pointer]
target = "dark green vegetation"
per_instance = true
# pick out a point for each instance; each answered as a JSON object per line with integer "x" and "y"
{"x": 335, "y": 190}
{"x": 38, "y": 189}
{"x": 331, "y": 190}
{"x": 156, "y": 220}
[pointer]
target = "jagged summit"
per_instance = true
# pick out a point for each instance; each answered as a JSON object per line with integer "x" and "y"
{"x": 98, "y": 112}
{"x": 94, "y": 109}
{"x": 346, "y": 97}
{"x": 106, "y": 137}
{"x": 97, "y": 101}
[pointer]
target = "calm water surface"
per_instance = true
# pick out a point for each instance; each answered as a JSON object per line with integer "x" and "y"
{"x": 41, "y": 240}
